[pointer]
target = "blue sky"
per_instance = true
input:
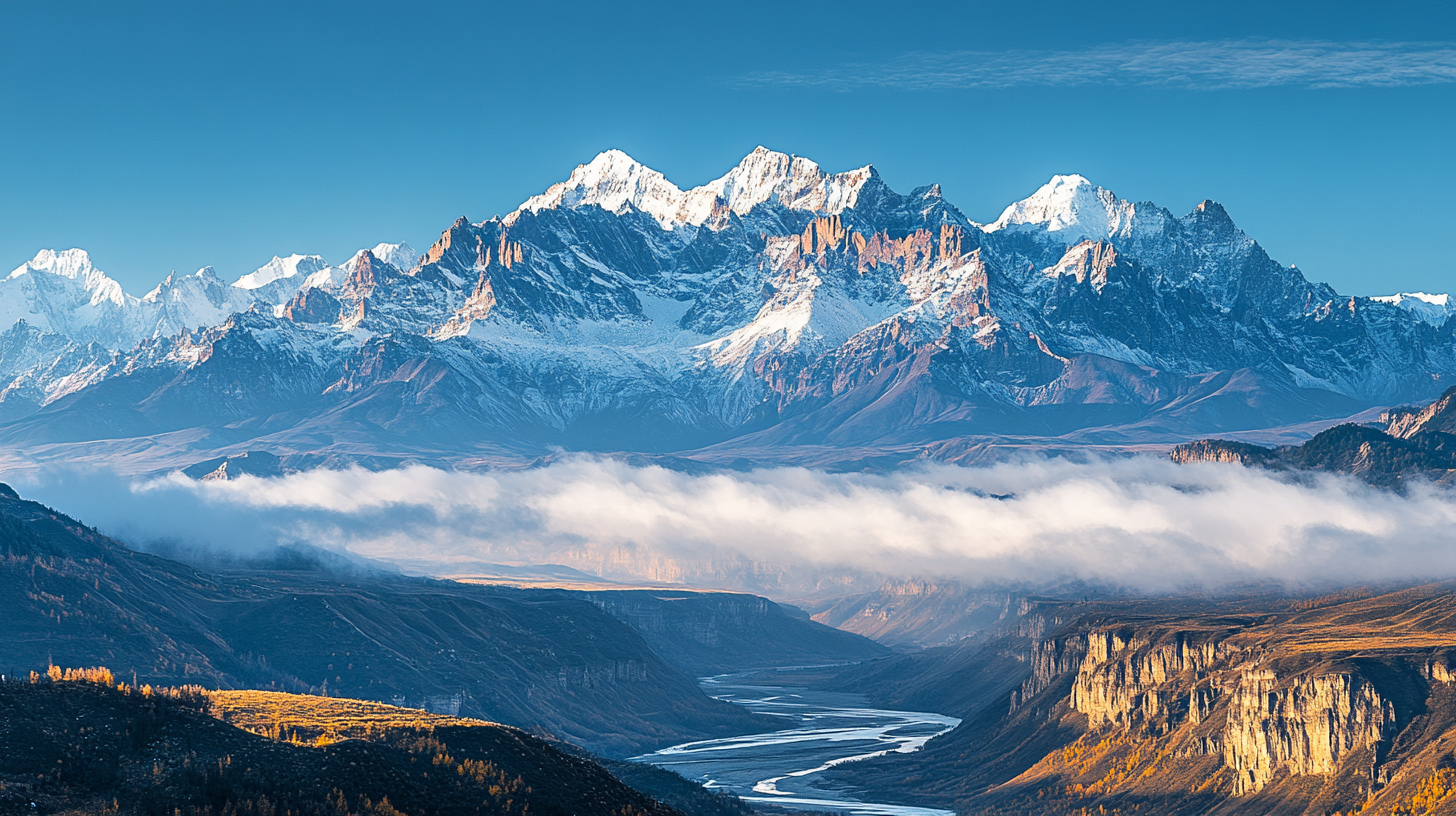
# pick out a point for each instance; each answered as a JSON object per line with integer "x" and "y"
{"x": 172, "y": 136}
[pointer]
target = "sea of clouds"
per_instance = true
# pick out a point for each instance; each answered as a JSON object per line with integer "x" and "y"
{"x": 1140, "y": 523}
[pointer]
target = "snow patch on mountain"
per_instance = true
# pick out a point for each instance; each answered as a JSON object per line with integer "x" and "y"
{"x": 281, "y": 269}
{"x": 401, "y": 256}
{"x": 1433, "y": 309}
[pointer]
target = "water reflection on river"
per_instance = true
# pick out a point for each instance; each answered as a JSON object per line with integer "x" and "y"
{"x": 807, "y": 732}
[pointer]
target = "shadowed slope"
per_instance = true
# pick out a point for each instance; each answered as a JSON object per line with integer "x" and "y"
{"x": 529, "y": 659}
{"x": 80, "y": 747}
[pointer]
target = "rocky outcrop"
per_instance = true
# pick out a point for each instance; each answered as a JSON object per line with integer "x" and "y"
{"x": 1050, "y": 660}
{"x": 1128, "y": 683}
{"x": 1224, "y": 450}
{"x": 312, "y": 306}
{"x": 1304, "y": 726}
{"x": 1406, "y": 422}
{"x": 1157, "y": 683}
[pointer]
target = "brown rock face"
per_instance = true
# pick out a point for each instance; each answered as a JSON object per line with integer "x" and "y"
{"x": 313, "y": 306}
{"x": 458, "y": 232}
{"x": 476, "y": 307}
{"x": 1273, "y": 724}
{"x": 1127, "y": 686}
{"x": 1090, "y": 262}
{"x": 1406, "y": 422}
{"x": 368, "y": 274}
{"x": 1307, "y": 726}
{"x": 1222, "y": 450}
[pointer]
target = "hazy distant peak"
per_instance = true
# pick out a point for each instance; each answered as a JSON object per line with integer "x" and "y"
{"x": 74, "y": 264}
{"x": 401, "y": 256}
{"x": 280, "y": 268}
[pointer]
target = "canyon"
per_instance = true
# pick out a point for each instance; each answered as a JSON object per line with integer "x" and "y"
{"x": 1260, "y": 704}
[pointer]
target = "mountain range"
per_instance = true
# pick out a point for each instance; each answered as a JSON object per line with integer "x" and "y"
{"x": 778, "y": 314}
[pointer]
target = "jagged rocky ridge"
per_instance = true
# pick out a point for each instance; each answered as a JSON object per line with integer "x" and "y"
{"x": 777, "y": 309}
{"x": 1410, "y": 443}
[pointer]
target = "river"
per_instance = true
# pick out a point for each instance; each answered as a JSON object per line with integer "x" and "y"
{"x": 812, "y": 731}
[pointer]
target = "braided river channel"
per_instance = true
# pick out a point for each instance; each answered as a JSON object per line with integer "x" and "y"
{"x": 806, "y": 733}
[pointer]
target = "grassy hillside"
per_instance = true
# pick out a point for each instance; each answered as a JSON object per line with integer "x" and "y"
{"x": 86, "y": 747}
{"x": 327, "y": 720}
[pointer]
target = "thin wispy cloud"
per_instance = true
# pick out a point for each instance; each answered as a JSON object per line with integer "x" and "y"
{"x": 1138, "y": 522}
{"x": 1207, "y": 65}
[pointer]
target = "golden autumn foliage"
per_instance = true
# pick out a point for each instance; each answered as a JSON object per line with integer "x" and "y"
{"x": 1433, "y": 791}
{"x": 307, "y": 720}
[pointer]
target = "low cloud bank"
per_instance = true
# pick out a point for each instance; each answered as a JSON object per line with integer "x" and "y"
{"x": 1139, "y": 522}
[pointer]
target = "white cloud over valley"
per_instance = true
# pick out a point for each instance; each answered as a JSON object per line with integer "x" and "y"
{"x": 1139, "y": 522}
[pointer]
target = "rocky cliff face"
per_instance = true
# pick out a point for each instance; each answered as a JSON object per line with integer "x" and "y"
{"x": 1050, "y": 660}
{"x": 1129, "y": 682}
{"x": 1307, "y": 726}
{"x": 777, "y": 306}
{"x": 1332, "y": 705}
{"x": 1265, "y": 723}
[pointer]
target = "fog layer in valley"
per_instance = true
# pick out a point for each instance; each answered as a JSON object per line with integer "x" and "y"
{"x": 1143, "y": 523}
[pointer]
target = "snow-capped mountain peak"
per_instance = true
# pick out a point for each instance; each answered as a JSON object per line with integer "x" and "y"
{"x": 74, "y": 264}
{"x": 611, "y": 181}
{"x": 279, "y": 269}
{"x": 792, "y": 181}
{"x": 204, "y": 277}
{"x": 754, "y": 318}
{"x": 614, "y": 180}
{"x": 1071, "y": 206}
{"x": 401, "y": 256}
